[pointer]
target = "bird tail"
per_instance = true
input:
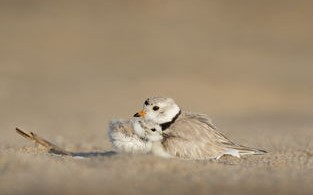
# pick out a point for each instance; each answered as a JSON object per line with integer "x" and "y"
{"x": 238, "y": 151}
{"x": 244, "y": 150}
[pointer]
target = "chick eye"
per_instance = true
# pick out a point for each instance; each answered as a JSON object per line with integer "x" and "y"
{"x": 147, "y": 102}
{"x": 155, "y": 108}
{"x": 153, "y": 129}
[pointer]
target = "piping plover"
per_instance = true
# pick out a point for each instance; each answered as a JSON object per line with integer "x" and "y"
{"x": 189, "y": 135}
{"x": 152, "y": 133}
{"x": 124, "y": 139}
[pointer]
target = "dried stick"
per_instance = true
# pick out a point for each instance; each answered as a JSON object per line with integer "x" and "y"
{"x": 52, "y": 148}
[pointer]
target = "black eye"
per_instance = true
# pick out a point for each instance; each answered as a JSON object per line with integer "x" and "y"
{"x": 153, "y": 129}
{"x": 147, "y": 102}
{"x": 155, "y": 108}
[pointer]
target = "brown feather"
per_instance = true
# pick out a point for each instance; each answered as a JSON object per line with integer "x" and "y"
{"x": 193, "y": 136}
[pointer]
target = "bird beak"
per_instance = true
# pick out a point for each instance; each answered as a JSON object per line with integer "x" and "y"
{"x": 140, "y": 114}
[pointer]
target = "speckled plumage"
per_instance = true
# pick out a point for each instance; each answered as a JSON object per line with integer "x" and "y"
{"x": 123, "y": 138}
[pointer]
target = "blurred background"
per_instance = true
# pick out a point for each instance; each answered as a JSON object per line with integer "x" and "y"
{"x": 68, "y": 67}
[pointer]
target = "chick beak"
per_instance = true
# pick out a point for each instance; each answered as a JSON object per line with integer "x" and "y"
{"x": 140, "y": 114}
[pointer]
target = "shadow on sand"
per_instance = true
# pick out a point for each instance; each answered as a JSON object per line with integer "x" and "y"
{"x": 93, "y": 154}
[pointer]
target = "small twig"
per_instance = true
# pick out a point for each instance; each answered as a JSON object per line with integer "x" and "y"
{"x": 52, "y": 148}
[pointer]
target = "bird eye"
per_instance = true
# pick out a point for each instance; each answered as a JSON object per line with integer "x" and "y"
{"x": 147, "y": 102}
{"x": 153, "y": 129}
{"x": 155, "y": 108}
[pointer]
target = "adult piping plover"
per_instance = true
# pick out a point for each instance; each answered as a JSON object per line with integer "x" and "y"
{"x": 189, "y": 135}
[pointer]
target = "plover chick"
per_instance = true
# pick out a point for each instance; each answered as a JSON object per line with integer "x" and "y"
{"x": 124, "y": 139}
{"x": 152, "y": 133}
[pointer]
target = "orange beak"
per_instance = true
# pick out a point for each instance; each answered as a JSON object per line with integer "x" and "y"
{"x": 140, "y": 114}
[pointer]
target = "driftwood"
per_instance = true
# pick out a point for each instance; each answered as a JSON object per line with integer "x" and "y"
{"x": 54, "y": 149}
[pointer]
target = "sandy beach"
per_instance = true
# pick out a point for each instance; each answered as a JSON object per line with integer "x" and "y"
{"x": 68, "y": 68}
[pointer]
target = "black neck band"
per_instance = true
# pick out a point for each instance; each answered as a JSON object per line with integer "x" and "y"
{"x": 166, "y": 125}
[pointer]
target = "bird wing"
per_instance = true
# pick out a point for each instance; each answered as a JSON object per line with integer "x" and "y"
{"x": 242, "y": 150}
{"x": 194, "y": 136}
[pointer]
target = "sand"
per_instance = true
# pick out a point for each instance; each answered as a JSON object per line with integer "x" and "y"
{"x": 68, "y": 68}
